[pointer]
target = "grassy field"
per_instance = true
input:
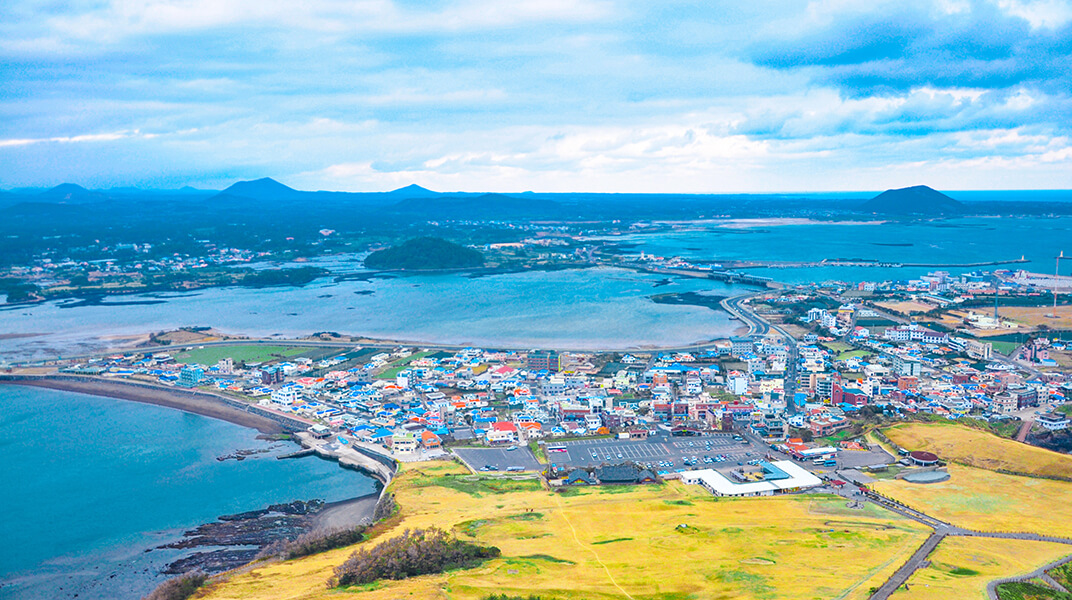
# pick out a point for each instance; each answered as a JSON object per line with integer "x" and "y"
{"x": 1034, "y": 316}
{"x": 392, "y": 370}
{"x": 853, "y": 354}
{"x": 249, "y": 353}
{"x": 906, "y": 307}
{"x": 976, "y": 448}
{"x": 961, "y": 567}
{"x": 839, "y": 347}
{"x": 671, "y": 541}
{"x": 1005, "y": 347}
{"x": 988, "y": 501}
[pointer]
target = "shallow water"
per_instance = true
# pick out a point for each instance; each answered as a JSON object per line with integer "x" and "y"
{"x": 91, "y": 483}
{"x": 589, "y": 308}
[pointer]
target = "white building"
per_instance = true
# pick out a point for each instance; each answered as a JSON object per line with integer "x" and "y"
{"x": 287, "y": 395}
{"x": 791, "y": 478}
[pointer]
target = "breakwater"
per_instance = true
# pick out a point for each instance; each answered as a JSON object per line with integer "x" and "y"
{"x": 195, "y": 401}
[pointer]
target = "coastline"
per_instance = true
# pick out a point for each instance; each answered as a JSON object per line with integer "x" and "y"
{"x": 199, "y": 403}
{"x": 345, "y": 513}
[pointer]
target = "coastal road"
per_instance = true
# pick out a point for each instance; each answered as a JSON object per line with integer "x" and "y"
{"x": 756, "y": 325}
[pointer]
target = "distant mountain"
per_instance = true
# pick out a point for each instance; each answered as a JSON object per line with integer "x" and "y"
{"x": 482, "y": 207}
{"x": 412, "y": 191}
{"x": 916, "y": 200}
{"x": 262, "y": 189}
{"x": 69, "y": 193}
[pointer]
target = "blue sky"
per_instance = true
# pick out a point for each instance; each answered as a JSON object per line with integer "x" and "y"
{"x": 556, "y": 95}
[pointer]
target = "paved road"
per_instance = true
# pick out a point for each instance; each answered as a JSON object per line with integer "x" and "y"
{"x": 901, "y": 575}
{"x": 757, "y": 325}
{"x": 732, "y": 305}
{"x": 941, "y": 531}
{"x": 992, "y": 587}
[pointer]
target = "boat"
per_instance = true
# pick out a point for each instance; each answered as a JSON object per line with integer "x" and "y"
{"x": 342, "y": 440}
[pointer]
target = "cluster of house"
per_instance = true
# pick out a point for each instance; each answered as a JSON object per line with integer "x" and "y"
{"x": 126, "y": 260}
{"x": 411, "y": 400}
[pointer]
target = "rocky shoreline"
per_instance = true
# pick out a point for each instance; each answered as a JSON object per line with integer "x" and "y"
{"x": 236, "y": 540}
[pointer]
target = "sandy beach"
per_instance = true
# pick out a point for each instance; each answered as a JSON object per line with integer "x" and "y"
{"x": 197, "y": 403}
{"x": 347, "y": 513}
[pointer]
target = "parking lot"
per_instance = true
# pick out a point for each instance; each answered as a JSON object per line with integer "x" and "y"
{"x": 499, "y": 459}
{"x": 854, "y": 459}
{"x": 662, "y": 452}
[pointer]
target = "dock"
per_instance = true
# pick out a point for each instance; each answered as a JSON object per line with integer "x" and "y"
{"x": 355, "y": 455}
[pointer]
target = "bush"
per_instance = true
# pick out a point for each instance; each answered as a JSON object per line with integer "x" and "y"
{"x": 314, "y": 542}
{"x": 317, "y": 542}
{"x": 415, "y": 552}
{"x": 385, "y": 507}
{"x": 178, "y": 588}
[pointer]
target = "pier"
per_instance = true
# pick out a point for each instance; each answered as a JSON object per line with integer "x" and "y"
{"x": 355, "y": 455}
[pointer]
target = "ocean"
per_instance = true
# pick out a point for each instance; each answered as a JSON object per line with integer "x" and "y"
{"x": 93, "y": 484}
{"x": 957, "y": 241}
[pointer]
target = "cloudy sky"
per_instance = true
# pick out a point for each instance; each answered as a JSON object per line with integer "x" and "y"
{"x": 545, "y": 95}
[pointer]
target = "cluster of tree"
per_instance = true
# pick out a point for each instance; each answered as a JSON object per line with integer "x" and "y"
{"x": 314, "y": 542}
{"x": 297, "y": 276}
{"x": 425, "y": 253}
{"x": 415, "y": 552}
{"x": 179, "y": 588}
{"x": 18, "y": 291}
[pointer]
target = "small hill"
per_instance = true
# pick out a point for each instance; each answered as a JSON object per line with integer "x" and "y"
{"x": 69, "y": 192}
{"x": 915, "y": 200}
{"x": 262, "y": 189}
{"x": 412, "y": 191}
{"x": 486, "y": 207}
{"x": 425, "y": 254}
{"x": 980, "y": 449}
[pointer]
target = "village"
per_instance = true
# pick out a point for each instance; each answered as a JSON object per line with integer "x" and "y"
{"x": 748, "y": 415}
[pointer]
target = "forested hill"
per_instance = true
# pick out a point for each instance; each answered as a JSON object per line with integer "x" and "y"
{"x": 425, "y": 253}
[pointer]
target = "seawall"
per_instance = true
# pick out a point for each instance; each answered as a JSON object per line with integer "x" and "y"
{"x": 194, "y": 401}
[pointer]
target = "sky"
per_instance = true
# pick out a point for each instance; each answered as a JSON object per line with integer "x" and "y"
{"x": 542, "y": 95}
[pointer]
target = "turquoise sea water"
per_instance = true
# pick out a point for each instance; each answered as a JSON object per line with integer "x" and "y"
{"x": 91, "y": 483}
{"x": 964, "y": 240}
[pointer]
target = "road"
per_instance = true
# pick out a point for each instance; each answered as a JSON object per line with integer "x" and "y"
{"x": 941, "y": 531}
{"x": 756, "y": 325}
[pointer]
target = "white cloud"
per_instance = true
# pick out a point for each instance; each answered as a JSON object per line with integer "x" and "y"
{"x": 75, "y": 139}
{"x": 1050, "y": 14}
{"x": 119, "y": 19}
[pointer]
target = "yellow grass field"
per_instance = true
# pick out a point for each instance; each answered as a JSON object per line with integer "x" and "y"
{"x": 955, "y": 443}
{"x": 988, "y": 501}
{"x": 655, "y": 542}
{"x": 906, "y": 307}
{"x": 962, "y": 567}
{"x": 1034, "y": 316}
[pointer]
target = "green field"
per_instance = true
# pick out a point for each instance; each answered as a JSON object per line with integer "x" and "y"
{"x": 247, "y": 353}
{"x": 853, "y": 354}
{"x": 392, "y": 370}
{"x": 837, "y": 347}
{"x": 1005, "y": 347}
